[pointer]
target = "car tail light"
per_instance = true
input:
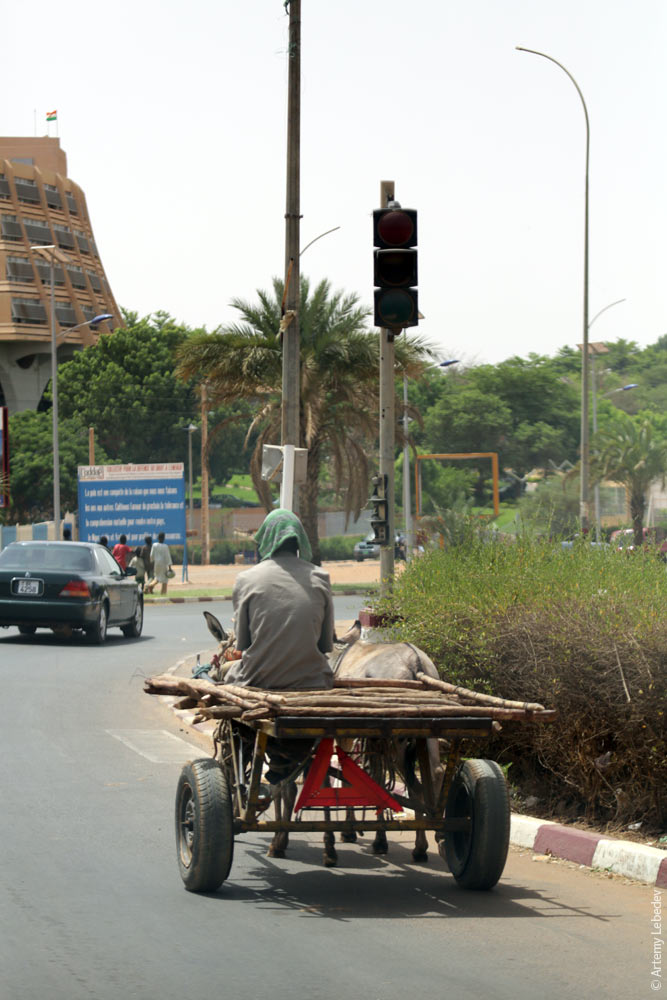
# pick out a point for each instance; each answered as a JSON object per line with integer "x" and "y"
{"x": 75, "y": 588}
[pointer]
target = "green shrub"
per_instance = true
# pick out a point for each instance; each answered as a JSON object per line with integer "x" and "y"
{"x": 582, "y": 630}
{"x": 338, "y": 547}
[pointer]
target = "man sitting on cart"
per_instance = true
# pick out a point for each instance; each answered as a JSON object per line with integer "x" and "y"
{"x": 283, "y": 612}
{"x": 284, "y": 625}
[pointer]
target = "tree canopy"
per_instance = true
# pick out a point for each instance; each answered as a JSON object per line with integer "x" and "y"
{"x": 339, "y": 381}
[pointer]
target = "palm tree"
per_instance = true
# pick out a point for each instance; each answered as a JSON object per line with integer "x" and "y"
{"x": 630, "y": 453}
{"x": 339, "y": 384}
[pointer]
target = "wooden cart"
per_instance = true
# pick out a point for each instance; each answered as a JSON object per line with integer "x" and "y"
{"x": 222, "y": 797}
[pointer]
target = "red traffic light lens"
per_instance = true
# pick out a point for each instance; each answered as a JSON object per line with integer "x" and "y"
{"x": 396, "y": 228}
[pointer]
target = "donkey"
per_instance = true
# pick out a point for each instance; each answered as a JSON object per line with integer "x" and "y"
{"x": 355, "y": 659}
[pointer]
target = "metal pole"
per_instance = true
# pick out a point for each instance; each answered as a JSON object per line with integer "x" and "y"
{"x": 290, "y": 429}
{"x": 191, "y": 505}
{"x": 596, "y": 488}
{"x": 54, "y": 408}
{"x": 205, "y": 538}
{"x": 387, "y": 418}
{"x": 387, "y": 431}
{"x": 407, "y": 509}
{"x": 585, "y": 381}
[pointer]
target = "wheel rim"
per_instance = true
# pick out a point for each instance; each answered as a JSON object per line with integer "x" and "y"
{"x": 462, "y": 806}
{"x": 186, "y": 826}
{"x": 103, "y": 621}
{"x": 138, "y": 616}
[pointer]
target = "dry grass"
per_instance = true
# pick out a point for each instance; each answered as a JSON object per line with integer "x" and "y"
{"x": 582, "y": 631}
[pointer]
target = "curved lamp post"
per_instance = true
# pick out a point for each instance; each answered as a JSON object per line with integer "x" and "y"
{"x": 52, "y": 254}
{"x": 585, "y": 448}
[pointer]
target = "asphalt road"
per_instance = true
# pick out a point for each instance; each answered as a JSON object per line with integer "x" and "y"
{"x": 92, "y": 906}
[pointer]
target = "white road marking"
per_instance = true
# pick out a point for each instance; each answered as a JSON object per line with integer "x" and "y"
{"x": 157, "y": 745}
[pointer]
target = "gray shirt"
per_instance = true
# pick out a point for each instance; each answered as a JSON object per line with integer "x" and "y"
{"x": 283, "y": 617}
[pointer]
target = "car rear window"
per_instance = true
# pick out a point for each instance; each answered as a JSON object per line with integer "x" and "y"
{"x": 34, "y": 558}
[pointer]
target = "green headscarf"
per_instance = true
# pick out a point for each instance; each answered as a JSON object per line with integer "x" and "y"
{"x": 276, "y": 528}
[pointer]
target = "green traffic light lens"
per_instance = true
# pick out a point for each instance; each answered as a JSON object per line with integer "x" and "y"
{"x": 396, "y": 308}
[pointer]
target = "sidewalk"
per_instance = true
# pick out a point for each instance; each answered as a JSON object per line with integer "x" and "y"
{"x": 222, "y": 577}
{"x": 544, "y": 838}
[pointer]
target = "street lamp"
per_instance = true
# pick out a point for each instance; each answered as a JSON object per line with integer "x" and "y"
{"x": 53, "y": 254}
{"x": 190, "y": 429}
{"x": 585, "y": 451}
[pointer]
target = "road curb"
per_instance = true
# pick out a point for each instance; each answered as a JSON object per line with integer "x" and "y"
{"x": 228, "y": 597}
{"x": 590, "y": 850}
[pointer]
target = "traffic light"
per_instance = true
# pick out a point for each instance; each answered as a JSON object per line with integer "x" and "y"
{"x": 380, "y": 515}
{"x": 395, "y": 267}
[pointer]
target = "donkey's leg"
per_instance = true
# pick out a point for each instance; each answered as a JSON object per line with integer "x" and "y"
{"x": 330, "y": 857}
{"x": 380, "y": 845}
{"x": 349, "y": 836}
{"x": 279, "y": 841}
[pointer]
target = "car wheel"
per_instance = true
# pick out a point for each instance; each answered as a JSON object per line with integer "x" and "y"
{"x": 27, "y": 629}
{"x": 133, "y": 630}
{"x": 97, "y": 633}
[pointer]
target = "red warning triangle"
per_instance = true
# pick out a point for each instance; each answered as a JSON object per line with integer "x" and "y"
{"x": 361, "y": 790}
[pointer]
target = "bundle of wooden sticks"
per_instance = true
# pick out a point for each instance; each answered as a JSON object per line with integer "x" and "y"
{"x": 366, "y": 698}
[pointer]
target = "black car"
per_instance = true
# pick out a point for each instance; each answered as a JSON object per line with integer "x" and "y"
{"x": 65, "y": 586}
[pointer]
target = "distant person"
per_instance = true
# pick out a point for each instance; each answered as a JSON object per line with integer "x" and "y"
{"x": 146, "y": 556}
{"x": 121, "y": 551}
{"x": 161, "y": 559}
{"x": 67, "y": 534}
{"x": 104, "y": 541}
{"x": 137, "y": 563}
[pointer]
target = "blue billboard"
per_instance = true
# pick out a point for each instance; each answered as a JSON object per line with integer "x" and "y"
{"x": 132, "y": 500}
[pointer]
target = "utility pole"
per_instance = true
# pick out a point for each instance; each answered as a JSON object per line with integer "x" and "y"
{"x": 290, "y": 430}
{"x": 387, "y": 429}
{"x": 205, "y": 538}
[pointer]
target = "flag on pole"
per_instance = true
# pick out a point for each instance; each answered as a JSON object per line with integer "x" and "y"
{"x": 51, "y": 116}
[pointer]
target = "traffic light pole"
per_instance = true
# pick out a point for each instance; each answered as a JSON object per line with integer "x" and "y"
{"x": 290, "y": 430}
{"x": 387, "y": 430}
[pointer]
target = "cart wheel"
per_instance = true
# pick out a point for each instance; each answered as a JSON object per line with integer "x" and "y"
{"x": 204, "y": 825}
{"x": 476, "y": 857}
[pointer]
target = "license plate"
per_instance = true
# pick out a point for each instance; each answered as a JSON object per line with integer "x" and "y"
{"x": 30, "y": 587}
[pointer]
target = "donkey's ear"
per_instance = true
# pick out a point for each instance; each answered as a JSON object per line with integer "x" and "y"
{"x": 215, "y": 628}
{"x": 352, "y": 635}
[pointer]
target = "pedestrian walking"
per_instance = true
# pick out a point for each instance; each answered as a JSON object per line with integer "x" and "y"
{"x": 137, "y": 563}
{"x": 161, "y": 559}
{"x": 121, "y": 551}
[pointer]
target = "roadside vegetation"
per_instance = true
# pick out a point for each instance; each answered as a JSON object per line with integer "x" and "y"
{"x": 581, "y": 630}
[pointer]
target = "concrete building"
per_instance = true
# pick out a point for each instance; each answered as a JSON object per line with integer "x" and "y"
{"x": 41, "y": 206}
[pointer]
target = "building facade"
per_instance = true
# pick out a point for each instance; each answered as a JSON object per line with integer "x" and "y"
{"x": 41, "y": 207}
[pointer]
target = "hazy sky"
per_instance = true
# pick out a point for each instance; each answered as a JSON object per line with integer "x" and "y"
{"x": 173, "y": 118}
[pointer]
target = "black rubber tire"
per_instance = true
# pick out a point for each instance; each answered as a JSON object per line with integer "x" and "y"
{"x": 204, "y": 825}
{"x": 133, "y": 630}
{"x": 477, "y": 857}
{"x": 97, "y": 633}
{"x": 27, "y": 629}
